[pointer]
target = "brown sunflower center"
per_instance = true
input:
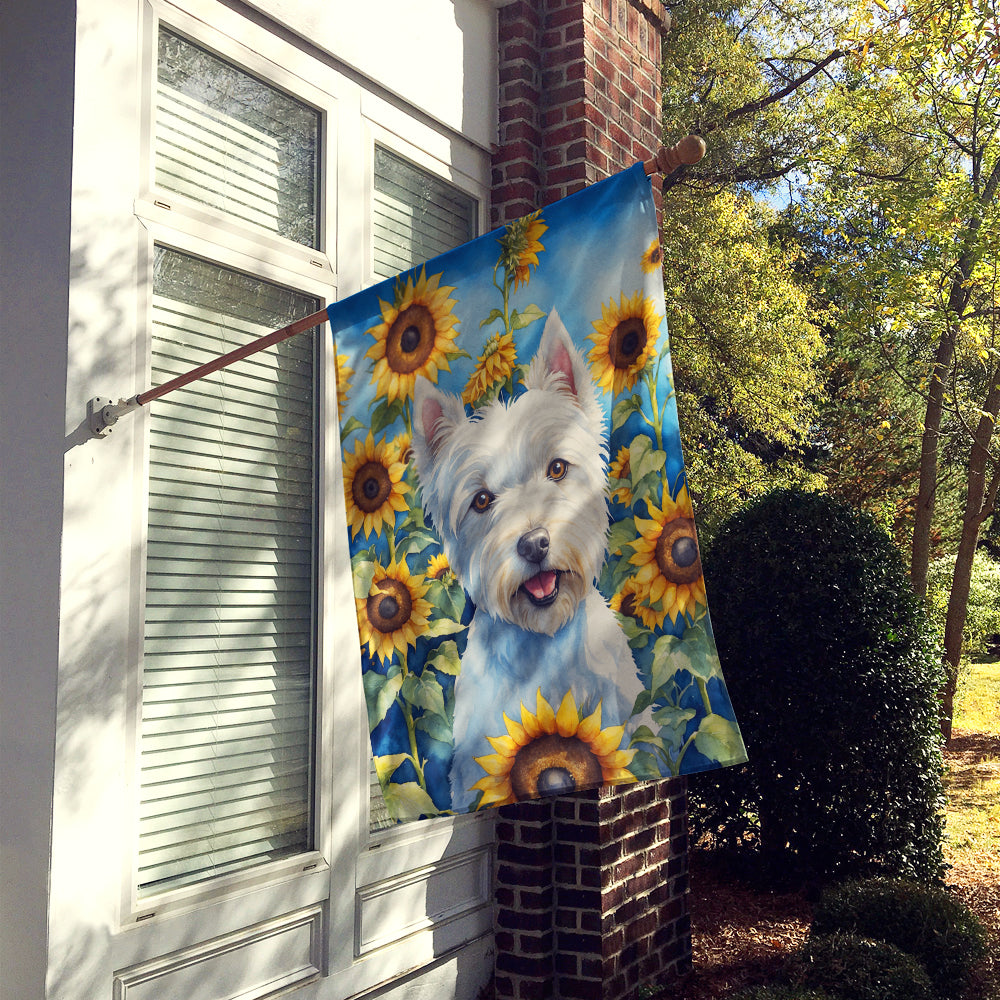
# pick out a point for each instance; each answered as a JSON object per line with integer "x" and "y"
{"x": 390, "y": 606}
{"x": 410, "y": 339}
{"x": 552, "y": 765}
{"x": 371, "y": 486}
{"x": 627, "y": 342}
{"x": 677, "y": 551}
{"x": 628, "y": 605}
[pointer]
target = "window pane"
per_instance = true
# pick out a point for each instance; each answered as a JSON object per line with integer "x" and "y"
{"x": 226, "y": 139}
{"x": 228, "y": 659}
{"x": 417, "y": 215}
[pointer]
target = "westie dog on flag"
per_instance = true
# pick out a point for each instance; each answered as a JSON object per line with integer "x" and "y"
{"x": 518, "y": 493}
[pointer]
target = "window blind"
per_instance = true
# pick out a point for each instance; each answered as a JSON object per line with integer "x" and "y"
{"x": 416, "y": 216}
{"x": 228, "y": 654}
{"x": 228, "y": 140}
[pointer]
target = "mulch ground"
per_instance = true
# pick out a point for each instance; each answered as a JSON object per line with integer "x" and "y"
{"x": 742, "y": 935}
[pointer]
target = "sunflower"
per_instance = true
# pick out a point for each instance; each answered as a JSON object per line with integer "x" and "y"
{"x": 549, "y": 753}
{"x": 493, "y": 367}
{"x": 438, "y": 566}
{"x": 666, "y": 554}
{"x": 374, "y": 485}
{"x": 622, "y": 471}
{"x": 519, "y": 247}
{"x": 394, "y": 613}
{"x": 624, "y": 339}
{"x": 629, "y": 602}
{"x": 344, "y": 376}
{"x": 652, "y": 258}
{"x": 416, "y": 336}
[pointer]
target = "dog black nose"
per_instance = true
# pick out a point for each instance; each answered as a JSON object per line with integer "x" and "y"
{"x": 533, "y": 545}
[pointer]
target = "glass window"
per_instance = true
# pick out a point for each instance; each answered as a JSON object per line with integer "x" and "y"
{"x": 228, "y": 685}
{"x": 228, "y": 140}
{"x": 416, "y": 215}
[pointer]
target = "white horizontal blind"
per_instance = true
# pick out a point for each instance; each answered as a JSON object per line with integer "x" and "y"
{"x": 228, "y": 659}
{"x": 228, "y": 140}
{"x": 416, "y": 216}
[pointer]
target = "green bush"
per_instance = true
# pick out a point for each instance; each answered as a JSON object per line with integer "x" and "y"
{"x": 925, "y": 922}
{"x": 856, "y": 968}
{"x": 833, "y": 672}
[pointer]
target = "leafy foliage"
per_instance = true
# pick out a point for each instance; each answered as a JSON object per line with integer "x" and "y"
{"x": 833, "y": 672}
{"x": 924, "y": 921}
{"x": 983, "y": 612}
{"x": 857, "y": 968}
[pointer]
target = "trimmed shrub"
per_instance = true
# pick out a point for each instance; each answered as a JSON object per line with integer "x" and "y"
{"x": 856, "y": 968}
{"x": 925, "y": 922}
{"x": 833, "y": 671}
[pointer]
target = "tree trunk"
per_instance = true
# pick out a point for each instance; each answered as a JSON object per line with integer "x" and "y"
{"x": 980, "y": 498}
{"x": 920, "y": 553}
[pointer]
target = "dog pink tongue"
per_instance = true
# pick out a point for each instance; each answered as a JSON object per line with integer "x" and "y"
{"x": 541, "y": 585}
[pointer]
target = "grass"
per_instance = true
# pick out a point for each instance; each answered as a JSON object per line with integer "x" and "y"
{"x": 973, "y": 784}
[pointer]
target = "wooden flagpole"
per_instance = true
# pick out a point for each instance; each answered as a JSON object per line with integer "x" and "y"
{"x": 102, "y": 413}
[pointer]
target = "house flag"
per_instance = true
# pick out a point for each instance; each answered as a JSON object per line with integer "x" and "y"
{"x": 530, "y": 601}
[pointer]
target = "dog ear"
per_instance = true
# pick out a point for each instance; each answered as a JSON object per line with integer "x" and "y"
{"x": 436, "y": 414}
{"x": 558, "y": 356}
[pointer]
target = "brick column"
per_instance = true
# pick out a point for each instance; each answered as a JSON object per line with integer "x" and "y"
{"x": 591, "y": 889}
{"x": 579, "y": 96}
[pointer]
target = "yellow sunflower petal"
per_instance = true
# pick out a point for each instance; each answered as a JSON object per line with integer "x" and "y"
{"x": 567, "y": 717}
{"x": 494, "y": 763}
{"x": 546, "y": 717}
{"x": 590, "y": 726}
{"x": 607, "y": 740}
{"x": 517, "y": 731}
{"x": 506, "y": 746}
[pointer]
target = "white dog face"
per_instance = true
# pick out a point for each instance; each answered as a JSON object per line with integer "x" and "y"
{"x": 518, "y": 492}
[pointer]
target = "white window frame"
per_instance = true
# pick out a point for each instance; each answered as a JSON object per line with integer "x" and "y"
{"x": 352, "y": 874}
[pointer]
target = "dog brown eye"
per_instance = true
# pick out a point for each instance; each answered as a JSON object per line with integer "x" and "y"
{"x": 482, "y": 500}
{"x": 557, "y": 469}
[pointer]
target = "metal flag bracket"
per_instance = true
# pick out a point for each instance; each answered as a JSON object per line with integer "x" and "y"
{"x": 103, "y": 413}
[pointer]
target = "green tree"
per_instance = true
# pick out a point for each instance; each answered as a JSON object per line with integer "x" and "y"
{"x": 910, "y": 179}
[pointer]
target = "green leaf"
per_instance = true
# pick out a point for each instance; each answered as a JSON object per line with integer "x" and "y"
{"x": 442, "y": 626}
{"x": 408, "y": 801}
{"x": 445, "y": 658}
{"x": 413, "y": 542}
{"x": 364, "y": 571}
{"x": 385, "y": 766}
{"x": 642, "y": 701}
{"x": 492, "y": 318}
{"x": 380, "y": 693}
{"x": 351, "y": 425}
{"x": 436, "y": 727}
{"x": 386, "y": 413}
{"x": 718, "y": 739}
{"x": 519, "y": 320}
{"x": 425, "y": 692}
{"x": 622, "y": 533}
{"x": 624, "y": 409}
{"x": 645, "y": 765}
{"x": 674, "y": 720}
{"x": 649, "y": 462}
